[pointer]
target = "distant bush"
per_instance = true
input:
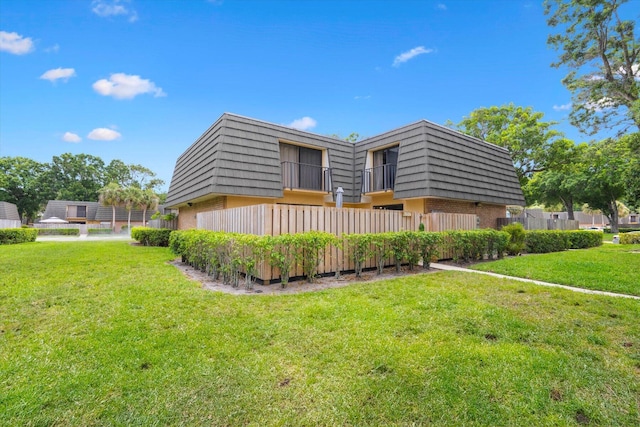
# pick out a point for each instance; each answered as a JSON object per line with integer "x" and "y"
{"x": 151, "y": 236}
{"x": 99, "y": 231}
{"x": 9, "y": 236}
{"x": 58, "y": 231}
{"x": 582, "y": 239}
{"x": 630, "y": 238}
{"x": 622, "y": 230}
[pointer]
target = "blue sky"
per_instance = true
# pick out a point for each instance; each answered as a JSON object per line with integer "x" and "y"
{"x": 140, "y": 80}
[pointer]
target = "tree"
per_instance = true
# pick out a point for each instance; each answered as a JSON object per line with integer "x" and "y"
{"x": 131, "y": 198}
{"x": 76, "y": 177}
{"x": 604, "y": 184}
{"x": 111, "y": 195}
{"x": 21, "y": 183}
{"x": 632, "y": 174}
{"x": 562, "y": 181}
{"x": 601, "y": 52}
{"x": 519, "y": 130}
{"x": 148, "y": 200}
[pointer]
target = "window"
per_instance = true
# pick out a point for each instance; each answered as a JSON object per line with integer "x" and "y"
{"x": 302, "y": 168}
{"x": 382, "y": 176}
{"x": 81, "y": 212}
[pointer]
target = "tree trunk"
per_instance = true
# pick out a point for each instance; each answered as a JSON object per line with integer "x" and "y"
{"x": 144, "y": 216}
{"x": 113, "y": 219}
{"x": 568, "y": 205}
{"x": 613, "y": 219}
{"x": 129, "y": 223}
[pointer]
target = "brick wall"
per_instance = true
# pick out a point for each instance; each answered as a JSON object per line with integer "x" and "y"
{"x": 187, "y": 215}
{"x": 488, "y": 213}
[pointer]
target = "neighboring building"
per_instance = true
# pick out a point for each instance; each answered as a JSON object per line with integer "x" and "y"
{"x": 9, "y": 211}
{"x": 9, "y": 216}
{"x": 79, "y": 212}
{"x": 421, "y": 167}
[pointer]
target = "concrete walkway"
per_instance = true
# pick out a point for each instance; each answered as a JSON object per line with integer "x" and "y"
{"x": 446, "y": 267}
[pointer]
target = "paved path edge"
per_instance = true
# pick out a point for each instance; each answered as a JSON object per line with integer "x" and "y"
{"x": 445, "y": 267}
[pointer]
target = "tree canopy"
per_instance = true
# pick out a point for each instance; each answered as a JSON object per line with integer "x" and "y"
{"x": 518, "y": 129}
{"x": 30, "y": 184}
{"x": 601, "y": 52}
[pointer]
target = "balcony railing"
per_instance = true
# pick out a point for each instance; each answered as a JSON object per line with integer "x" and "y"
{"x": 380, "y": 178}
{"x": 305, "y": 176}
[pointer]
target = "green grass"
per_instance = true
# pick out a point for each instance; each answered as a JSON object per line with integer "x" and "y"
{"x": 607, "y": 237}
{"x": 105, "y": 333}
{"x": 612, "y": 268}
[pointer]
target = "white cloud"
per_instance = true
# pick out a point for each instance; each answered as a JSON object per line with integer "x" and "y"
{"x": 563, "y": 107}
{"x": 15, "y": 43}
{"x": 362, "y": 97}
{"x": 441, "y": 6}
{"x": 126, "y": 86}
{"x": 53, "y": 49}
{"x": 604, "y": 103}
{"x": 103, "y": 134}
{"x": 106, "y": 9}
{"x": 304, "y": 123}
{"x": 58, "y": 73}
{"x": 71, "y": 137}
{"x": 405, "y": 56}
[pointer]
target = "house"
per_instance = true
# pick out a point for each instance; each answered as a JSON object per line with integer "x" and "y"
{"x": 421, "y": 167}
{"x": 80, "y": 212}
{"x": 9, "y": 216}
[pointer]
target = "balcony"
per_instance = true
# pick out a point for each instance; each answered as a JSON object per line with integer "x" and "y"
{"x": 380, "y": 178}
{"x": 302, "y": 176}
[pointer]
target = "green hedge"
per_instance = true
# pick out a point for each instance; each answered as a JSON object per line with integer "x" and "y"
{"x": 58, "y": 231}
{"x": 582, "y": 239}
{"x": 151, "y": 236}
{"x": 474, "y": 245}
{"x": 99, "y": 231}
{"x": 544, "y": 241}
{"x": 10, "y": 236}
{"x": 630, "y": 238}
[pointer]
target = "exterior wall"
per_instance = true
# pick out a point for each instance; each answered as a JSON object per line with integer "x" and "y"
{"x": 188, "y": 214}
{"x": 488, "y": 214}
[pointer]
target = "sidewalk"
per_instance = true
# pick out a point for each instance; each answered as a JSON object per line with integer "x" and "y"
{"x": 446, "y": 267}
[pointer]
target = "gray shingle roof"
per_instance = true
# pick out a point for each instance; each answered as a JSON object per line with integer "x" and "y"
{"x": 9, "y": 211}
{"x": 240, "y": 156}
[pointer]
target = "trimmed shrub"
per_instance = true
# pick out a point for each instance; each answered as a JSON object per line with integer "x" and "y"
{"x": 516, "y": 242}
{"x": 544, "y": 241}
{"x": 622, "y": 230}
{"x": 359, "y": 247}
{"x": 10, "y": 236}
{"x": 151, "y": 236}
{"x": 582, "y": 239}
{"x": 630, "y": 238}
{"x": 58, "y": 231}
{"x": 428, "y": 244}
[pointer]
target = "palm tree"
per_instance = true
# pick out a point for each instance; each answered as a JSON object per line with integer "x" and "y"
{"x": 148, "y": 200}
{"x": 131, "y": 197}
{"x": 111, "y": 195}
{"x": 593, "y": 212}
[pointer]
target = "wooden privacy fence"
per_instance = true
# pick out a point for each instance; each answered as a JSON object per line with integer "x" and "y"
{"x": 275, "y": 220}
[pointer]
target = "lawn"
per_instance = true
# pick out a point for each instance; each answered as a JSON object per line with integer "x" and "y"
{"x": 612, "y": 268}
{"x": 105, "y": 333}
